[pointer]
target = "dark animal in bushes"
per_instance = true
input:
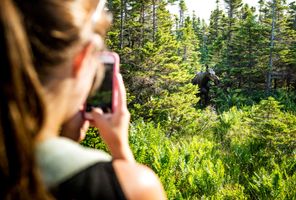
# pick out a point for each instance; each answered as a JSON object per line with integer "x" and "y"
{"x": 202, "y": 79}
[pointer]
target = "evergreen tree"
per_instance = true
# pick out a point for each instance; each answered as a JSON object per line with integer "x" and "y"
{"x": 227, "y": 63}
{"x": 216, "y": 35}
{"x": 233, "y": 8}
{"x": 281, "y": 39}
{"x": 249, "y": 48}
{"x": 157, "y": 65}
{"x": 290, "y": 52}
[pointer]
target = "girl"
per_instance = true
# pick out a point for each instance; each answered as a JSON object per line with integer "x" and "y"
{"x": 48, "y": 65}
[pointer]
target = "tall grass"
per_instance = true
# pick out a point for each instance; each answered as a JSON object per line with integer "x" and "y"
{"x": 247, "y": 153}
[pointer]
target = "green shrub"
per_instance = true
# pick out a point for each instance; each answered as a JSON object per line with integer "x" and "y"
{"x": 93, "y": 140}
{"x": 231, "y": 192}
{"x": 273, "y": 184}
{"x": 188, "y": 169}
{"x": 246, "y": 153}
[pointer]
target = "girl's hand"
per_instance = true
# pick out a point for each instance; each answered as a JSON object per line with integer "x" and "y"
{"x": 75, "y": 128}
{"x": 114, "y": 126}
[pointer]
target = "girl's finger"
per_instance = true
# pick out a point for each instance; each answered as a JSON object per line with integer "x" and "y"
{"x": 100, "y": 120}
{"x": 83, "y": 130}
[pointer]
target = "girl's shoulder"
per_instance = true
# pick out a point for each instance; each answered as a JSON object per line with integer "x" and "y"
{"x": 61, "y": 158}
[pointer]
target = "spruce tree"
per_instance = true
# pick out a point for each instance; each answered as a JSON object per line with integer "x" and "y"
{"x": 216, "y": 35}
{"x": 248, "y": 51}
{"x": 156, "y": 64}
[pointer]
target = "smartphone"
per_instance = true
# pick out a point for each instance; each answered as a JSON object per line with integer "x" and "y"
{"x": 105, "y": 97}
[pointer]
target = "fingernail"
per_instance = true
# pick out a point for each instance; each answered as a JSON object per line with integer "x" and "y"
{"x": 97, "y": 110}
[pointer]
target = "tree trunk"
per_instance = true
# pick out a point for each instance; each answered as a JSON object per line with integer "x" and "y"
{"x": 154, "y": 20}
{"x": 270, "y": 66}
{"x": 142, "y": 21}
{"x": 122, "y": 6}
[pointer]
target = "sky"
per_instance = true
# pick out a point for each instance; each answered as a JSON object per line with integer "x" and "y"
{"x": 203, "y": 8}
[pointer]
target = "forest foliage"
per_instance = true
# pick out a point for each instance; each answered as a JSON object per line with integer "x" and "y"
{"x": 242, "y": 145}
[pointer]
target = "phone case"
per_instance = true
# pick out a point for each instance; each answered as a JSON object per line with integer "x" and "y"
{"x": 110, "y": 57}
{"x": 116, "y": 58}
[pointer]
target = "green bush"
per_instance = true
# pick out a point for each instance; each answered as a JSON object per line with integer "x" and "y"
{"x": 230, "y": 192}
{"x": 247, "y": 153}
{"x": 187, "y": 169}
{"x": 258, "y": 137}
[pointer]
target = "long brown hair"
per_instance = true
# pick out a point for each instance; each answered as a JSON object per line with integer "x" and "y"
{"x": 34, "y": 37}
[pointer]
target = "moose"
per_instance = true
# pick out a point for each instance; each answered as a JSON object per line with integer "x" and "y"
{"x": 202, "y": 79}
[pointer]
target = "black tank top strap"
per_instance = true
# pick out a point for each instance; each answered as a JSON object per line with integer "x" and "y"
{"x": 98, "y": 181}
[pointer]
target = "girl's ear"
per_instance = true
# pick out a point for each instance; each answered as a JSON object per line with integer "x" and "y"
{"x": 80, "y": 58}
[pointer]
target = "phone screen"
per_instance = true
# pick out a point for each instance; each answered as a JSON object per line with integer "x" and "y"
{"x": 102, "y": 97}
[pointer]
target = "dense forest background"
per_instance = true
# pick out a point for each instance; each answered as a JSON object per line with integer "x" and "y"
{"x": 242, "y": 145}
